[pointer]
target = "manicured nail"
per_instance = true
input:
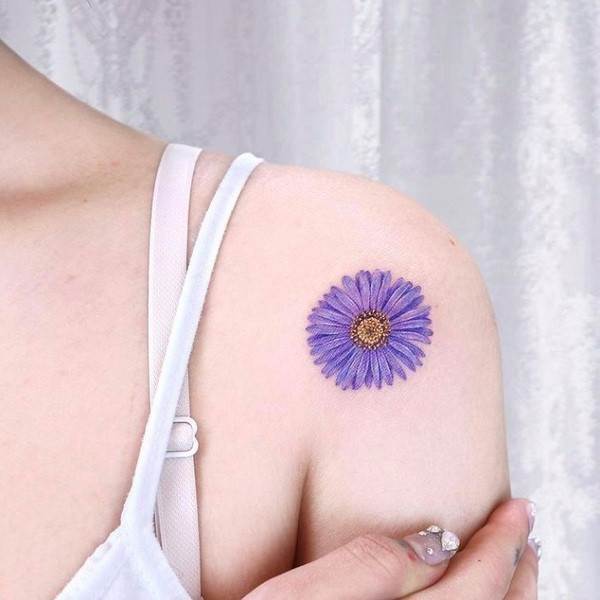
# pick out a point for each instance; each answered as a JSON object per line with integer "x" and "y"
{"x": 531, "y": 512}
{"x": 536, "y": 544}
{"x": 434, "y": 545}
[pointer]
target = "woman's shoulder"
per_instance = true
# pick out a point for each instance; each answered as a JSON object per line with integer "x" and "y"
{"x": 327, "y": 461}
{"x": 368, "y": 445}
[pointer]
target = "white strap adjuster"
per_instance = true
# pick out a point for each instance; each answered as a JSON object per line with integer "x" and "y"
{"x": 181, "y": 438}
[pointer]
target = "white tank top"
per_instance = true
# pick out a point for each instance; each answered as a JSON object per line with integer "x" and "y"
{"x": 154, "y": 553}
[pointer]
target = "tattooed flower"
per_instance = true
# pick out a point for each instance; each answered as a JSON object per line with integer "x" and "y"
{"x": 369, "y": 330}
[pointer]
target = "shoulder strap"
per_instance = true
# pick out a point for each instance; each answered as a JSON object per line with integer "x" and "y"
{"x": 176, "y": 510}
{"x": 140, "y": 503}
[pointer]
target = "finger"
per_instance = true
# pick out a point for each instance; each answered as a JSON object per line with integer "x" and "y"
{"x": 524, "y": 583}
{"x": 369, "y": 567}
{"x": 485, "y": 568}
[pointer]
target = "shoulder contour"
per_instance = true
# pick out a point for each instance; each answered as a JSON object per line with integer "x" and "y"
{"x": 373, "y": 458}
{"x": 336, "y": 205}
{"x": 427, "y": 447}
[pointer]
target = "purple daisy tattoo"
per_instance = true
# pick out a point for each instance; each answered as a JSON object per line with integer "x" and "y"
{"x": 369, "y": 330}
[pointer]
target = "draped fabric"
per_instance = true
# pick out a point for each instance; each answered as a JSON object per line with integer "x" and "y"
{"x": 485, "y": 112}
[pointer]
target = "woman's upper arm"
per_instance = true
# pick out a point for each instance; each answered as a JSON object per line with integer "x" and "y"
{"x": 428, "y": 449}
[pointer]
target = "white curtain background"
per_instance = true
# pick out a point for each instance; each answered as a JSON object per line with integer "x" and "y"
{"x": 485, "y": 112}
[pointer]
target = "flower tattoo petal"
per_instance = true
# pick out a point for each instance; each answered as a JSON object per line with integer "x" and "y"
{"x": 369, "y": 330}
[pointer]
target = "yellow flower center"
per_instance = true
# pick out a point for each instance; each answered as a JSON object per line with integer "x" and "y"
{"x": 370, "y": 329}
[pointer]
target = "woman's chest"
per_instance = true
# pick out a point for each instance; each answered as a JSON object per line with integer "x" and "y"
{"x": 74, "y": 374}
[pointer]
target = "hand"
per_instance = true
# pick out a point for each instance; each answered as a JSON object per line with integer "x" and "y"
{"x": 497, "y": 564}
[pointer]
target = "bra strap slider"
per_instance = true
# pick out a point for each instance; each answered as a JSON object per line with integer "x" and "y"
{"x": 177, "y": 437}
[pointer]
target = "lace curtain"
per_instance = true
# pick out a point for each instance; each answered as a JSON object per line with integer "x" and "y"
{"x": 486, "y": 112}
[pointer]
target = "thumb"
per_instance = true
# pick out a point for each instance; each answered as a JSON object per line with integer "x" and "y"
{"x": 369, "y": 567}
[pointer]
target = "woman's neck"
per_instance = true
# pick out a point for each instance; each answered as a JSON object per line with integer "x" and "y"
{"x": 49, "y": 140}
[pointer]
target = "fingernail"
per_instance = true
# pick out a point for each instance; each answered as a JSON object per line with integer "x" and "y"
{"x": 531, "y": 512}
{"x": 434, "y": 545}
{"x": 536, "y": 544}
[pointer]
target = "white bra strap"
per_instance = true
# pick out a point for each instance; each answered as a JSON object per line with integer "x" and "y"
{"x": 176, "y": 511}
{"x": 139, "y": 505}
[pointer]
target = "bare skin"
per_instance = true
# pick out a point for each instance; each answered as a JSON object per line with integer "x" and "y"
{"x": 290, "y": 466}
